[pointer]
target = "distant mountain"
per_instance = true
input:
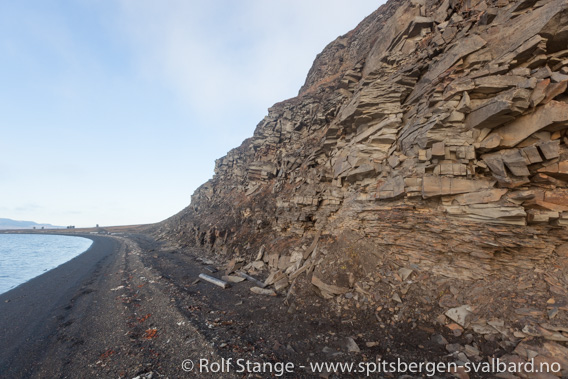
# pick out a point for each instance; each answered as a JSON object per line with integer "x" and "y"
{"x": 6, "y": 223}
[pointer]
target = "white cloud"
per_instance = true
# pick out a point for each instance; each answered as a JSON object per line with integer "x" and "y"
{"x": 133, "y": 102}
{"x": 231, "y": 57}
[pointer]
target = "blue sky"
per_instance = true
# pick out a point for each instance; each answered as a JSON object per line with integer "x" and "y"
{"x": 113, "y": 112}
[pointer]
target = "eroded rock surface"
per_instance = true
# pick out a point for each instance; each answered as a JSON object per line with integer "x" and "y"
{"x": 435, "y": 132}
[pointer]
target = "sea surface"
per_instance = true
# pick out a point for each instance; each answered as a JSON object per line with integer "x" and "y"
{"x": 25, "y": 256}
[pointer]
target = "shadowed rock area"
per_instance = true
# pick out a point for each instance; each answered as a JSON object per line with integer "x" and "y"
{"x": 420, "y": 177}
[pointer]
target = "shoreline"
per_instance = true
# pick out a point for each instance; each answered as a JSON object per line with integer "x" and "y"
{"x": 52, "y": 268}
{"x": 133, "y": 306}
{"x": 101, "y": 314}
{"x": 30, "y": 311}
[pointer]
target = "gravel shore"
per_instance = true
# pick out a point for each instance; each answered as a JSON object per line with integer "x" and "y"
{"x": 133, "y": 307}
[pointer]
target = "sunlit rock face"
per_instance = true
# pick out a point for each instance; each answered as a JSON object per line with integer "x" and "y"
{"x": 434, "y": 133}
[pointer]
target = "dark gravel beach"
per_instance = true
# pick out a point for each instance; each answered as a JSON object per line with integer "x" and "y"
{"x": 33, "y": 312}
{"x": 133, "y": 307}
{"x": 102, "y": 314}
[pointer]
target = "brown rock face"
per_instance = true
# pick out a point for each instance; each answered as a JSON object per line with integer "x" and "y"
{"x": 421, "y": 103}
{"x": 436, "y": 132}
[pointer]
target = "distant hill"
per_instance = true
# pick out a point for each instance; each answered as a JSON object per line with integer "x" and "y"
{"x": 6, "y": 223}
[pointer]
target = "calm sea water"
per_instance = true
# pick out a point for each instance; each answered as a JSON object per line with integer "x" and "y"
{"x": 25, "y": 256}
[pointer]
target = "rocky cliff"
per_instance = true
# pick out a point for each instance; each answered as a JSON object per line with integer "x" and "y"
{"x": 429, "y": 145}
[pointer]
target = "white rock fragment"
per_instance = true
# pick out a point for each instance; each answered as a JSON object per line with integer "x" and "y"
{"x": 459, "y": 314}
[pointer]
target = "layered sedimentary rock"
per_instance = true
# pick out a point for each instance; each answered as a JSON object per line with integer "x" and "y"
{"x": 457, "y": 108}
{"x": 436, "y": 131}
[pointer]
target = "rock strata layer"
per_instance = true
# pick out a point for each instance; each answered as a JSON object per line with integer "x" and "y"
{"x": 435, "y": 132}
{"x": 450, "y": 110}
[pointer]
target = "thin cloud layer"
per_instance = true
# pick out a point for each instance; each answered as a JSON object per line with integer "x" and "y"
{"x": 234, "y": 57}
{"x": 114, "y": 112}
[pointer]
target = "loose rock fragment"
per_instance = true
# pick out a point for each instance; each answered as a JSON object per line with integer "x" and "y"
{"x": 459, "y": 314}
{"x": 262, "y": 291}
{"x": 217, "y": 282}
